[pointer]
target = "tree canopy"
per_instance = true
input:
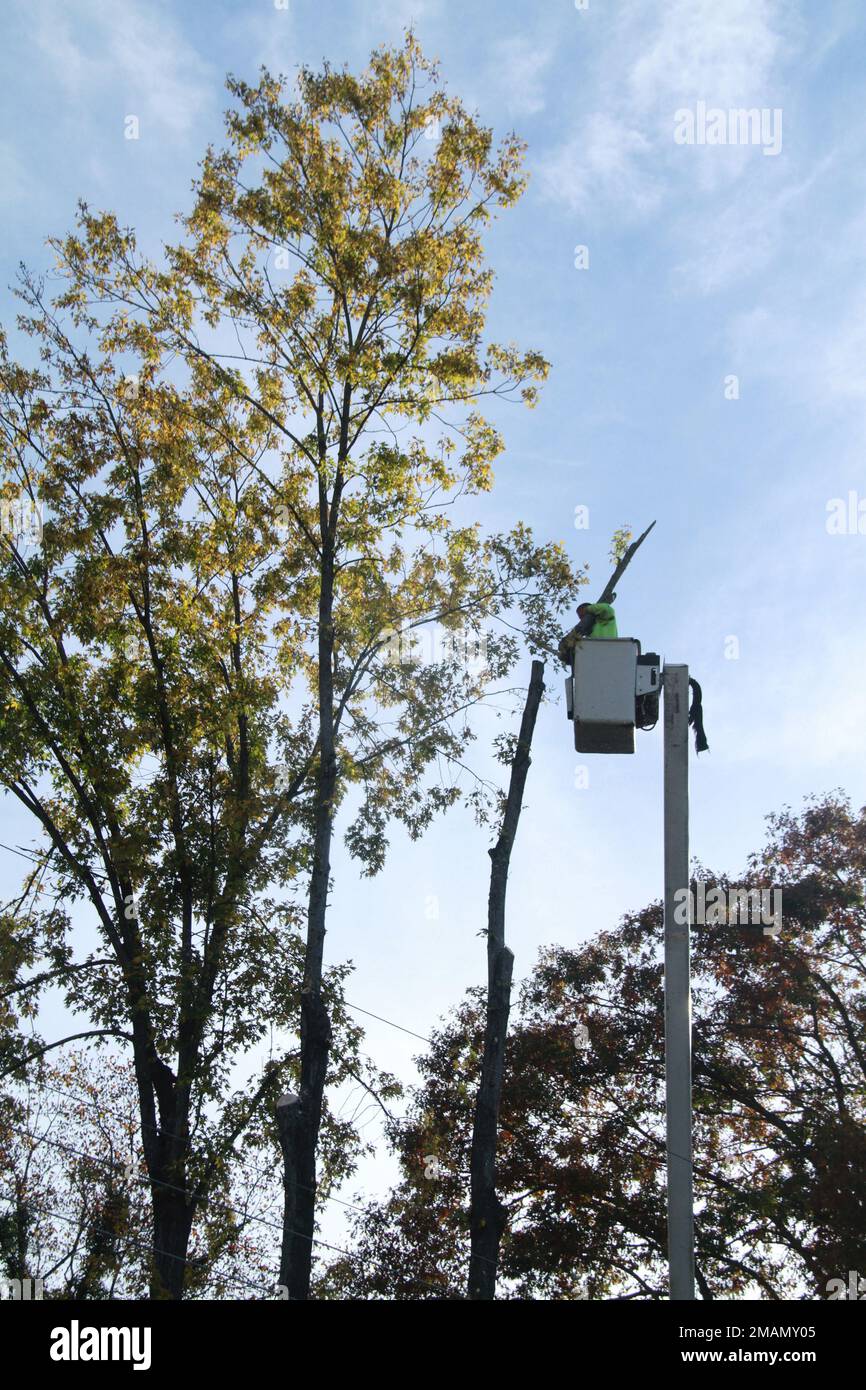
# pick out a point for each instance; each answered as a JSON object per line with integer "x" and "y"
{"x": 256, "y": 458}
{"x": 778, "y": 1095}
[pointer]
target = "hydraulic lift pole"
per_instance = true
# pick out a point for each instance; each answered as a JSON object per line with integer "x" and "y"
{"x": 678, "y": 1002}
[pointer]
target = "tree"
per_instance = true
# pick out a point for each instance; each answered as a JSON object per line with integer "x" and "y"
{"x": 778, "y": 1090}
{"x": 141, "y": 729}
{"x": 76, "y": 1202}
{"x": 75, "y": 1214}
{"x": 487, "y": 1214}
{"x": 267, "y": 416}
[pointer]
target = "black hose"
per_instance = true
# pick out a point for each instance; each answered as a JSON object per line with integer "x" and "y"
{"x": 696, "y": 718}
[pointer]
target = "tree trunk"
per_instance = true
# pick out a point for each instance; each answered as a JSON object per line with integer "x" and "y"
{"x": 487, "y": 1214}
{"x": 299, "y": 1129}
{"x": 298, "y": 1121}
{"x": 172, "y": 1223}
{"x": 165, "y": 1140}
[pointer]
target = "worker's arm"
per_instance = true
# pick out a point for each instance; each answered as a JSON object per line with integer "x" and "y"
{"x": 595, "y": 613}
{"x": 566, "y": 647}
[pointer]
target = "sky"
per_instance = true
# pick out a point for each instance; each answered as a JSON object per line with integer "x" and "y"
{"x": 703, "y": 306}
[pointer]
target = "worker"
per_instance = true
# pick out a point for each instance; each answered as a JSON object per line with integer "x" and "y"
{"x": 600, "y": 618}
{"x": 595, "y": 620}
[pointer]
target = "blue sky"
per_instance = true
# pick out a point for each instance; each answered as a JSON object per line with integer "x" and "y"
{"x": 705, "y": 262}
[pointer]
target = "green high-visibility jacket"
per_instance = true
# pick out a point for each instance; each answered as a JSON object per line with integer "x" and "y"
{"x": 605, "y": 620}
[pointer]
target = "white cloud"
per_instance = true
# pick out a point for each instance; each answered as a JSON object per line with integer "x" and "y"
{"x": 721, "y": 52}
{"x": 133, "y": 52}
{"x": 406, "y": 13}
{"x": 816, "y": 350}
{"x": 604, "y": 161}
{"x": 622, "y": 157}
{"x": 842, "y": 359}
{"x": 16, "y": 185}
{"x": 518, "y": 65}
{"x": 821, "y": 733}
{"x": 741, "y": 237}
{"x": 263, "y": 36}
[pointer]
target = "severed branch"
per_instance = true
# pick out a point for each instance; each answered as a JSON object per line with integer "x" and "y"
{"x": 608, "y": 594}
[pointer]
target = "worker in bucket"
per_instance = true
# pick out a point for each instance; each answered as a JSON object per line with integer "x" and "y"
{"x": 595, "y": 620}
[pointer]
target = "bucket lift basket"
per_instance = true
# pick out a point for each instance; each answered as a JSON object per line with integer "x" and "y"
{"x": 612, "y": 690}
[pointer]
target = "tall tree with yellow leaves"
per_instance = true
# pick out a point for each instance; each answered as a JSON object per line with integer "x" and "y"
{"x": 310, "y": 363}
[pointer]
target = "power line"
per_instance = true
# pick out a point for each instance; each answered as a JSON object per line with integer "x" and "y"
{"x": 43, "y": 862}
{"x": 391, "y": 1024}
{"x": 83, "y": 1100}
{"x": 129, "y": 1240}
{"x": 173, "y": 1187}
{"x": 156, "y": 1182}
{"x": 25, "y": 854}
